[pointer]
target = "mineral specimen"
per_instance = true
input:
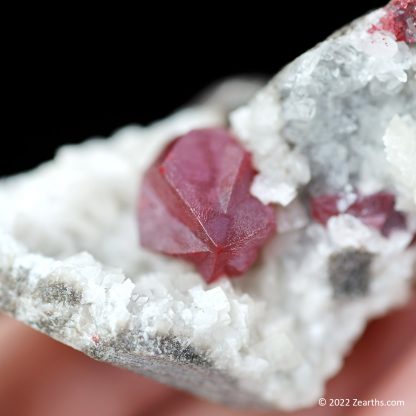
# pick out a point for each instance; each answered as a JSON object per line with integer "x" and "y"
{"x": 400, "y": 20}
{"x": 196, "y": 204}
{"x": 339, "y": 120}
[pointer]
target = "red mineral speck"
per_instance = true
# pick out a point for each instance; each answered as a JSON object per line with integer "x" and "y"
{"x": 195, "y": 204}
{"x": 373, "y": 210}
{"x": 400, "y": 19}
{"x": 376, "y": 210}
{"x": 323, "y": 207}
{"x": 95, "y": 339}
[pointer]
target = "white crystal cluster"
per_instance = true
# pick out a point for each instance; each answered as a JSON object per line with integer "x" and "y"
{"x": 400, "y": 147}
{"x": 71, "y": 265}
{"x": 324, "y": 116}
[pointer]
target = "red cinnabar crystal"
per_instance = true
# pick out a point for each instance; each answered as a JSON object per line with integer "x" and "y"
{"x": 195, "y": 203}
{"x": 400, "y": 19}
{"x": 376, "y": 210}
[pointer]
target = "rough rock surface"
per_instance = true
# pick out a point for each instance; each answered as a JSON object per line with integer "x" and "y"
{"x": 342, "y": 115}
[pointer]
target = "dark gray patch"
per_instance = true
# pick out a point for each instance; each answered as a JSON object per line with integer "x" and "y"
{"x": 59, "y": 292}
{"x": 349, "y": 272}
{"x": 12, "y": 287}
{"x": 97, "y": 352}
{"x": 7, "y": 303}
{"x": 178, "y": 351}
{"x": 126, "y": 342}
{"x": 133, "y": 343}
{"x": 172, "y": 361}
{"x": 50, "y": 325}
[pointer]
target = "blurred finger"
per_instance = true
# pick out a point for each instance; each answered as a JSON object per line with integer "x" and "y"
{"x": 39, "y": 376}
{"x": 397, "y": 384}
{"x": 383, "y": 342}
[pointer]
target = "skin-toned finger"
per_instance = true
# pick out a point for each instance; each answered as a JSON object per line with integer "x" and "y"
{"x": 397, "y": 384}
{"x": 384, "y": 340}
{"x": 185, "y": 404}
{"x": 39, "y": 376}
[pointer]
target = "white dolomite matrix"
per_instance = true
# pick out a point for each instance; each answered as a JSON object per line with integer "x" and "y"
{"x": 321, "y": 120}
{"x": 400, "y": 146}
{"x": 342, "y": 115}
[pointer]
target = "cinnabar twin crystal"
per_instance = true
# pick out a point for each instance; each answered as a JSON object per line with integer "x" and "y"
{"x": 195, "y": 203}
{"x": 375, "y": 210}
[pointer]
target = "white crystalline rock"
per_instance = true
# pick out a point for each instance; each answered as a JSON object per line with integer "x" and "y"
{"x": 346, "y": 231}
{"x": 322, "y": 118}
{"x": 292, "y": 217}
{"x": 210, "y": 308}
{"x": 71, "y": 265}
{"x": 400, "y": 148}
{"x": 257, "y": 127}
{"x": 105, "y": 293}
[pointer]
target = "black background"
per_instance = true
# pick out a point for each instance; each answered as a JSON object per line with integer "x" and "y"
{"x": 66, "y": 85}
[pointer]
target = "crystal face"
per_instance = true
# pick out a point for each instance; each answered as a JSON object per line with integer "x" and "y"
{"x": 400, "y": 19}
{"x": 195, "y": 203}
{"x": 376, "y": 210}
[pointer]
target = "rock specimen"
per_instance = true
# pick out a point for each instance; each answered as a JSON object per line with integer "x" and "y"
{"x": 339, "y": 122}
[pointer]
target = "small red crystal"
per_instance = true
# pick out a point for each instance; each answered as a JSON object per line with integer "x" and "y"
{"x": 323, "y": 207}
{"x": 400, "y": 19}
{"x": 195, "y": 203}
{"x": 376, "y": 210}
